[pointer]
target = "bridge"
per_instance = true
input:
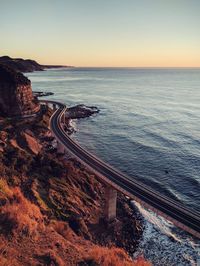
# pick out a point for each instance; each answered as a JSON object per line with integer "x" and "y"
{"x": 183, "y": 217}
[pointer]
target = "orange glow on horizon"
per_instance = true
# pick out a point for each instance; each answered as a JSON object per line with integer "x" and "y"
{"x": 103, "y": 33}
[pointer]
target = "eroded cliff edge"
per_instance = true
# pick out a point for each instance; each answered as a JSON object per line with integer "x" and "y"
{"x": 16, "y": 97}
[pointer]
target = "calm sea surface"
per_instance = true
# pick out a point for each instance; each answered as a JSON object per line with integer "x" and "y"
{"x": 148, "y": 127}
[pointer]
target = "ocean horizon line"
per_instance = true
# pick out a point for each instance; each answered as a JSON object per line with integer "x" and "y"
{"x": 127, "y": 67}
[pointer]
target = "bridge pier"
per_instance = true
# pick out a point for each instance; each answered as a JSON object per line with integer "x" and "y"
{"x": 60, "y": 148}
{"x": 54, "y": 107}
{"x": 63, "y": 119}
{"x": 111, "y": 203}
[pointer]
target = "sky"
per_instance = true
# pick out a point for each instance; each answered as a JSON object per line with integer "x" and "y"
{"x": 104, "y": 33}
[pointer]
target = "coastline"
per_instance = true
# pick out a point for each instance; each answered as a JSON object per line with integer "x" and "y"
{"x": 182, "y": 244}
{"x": 129, "y": 221}
{"x": 159, "y": 235}
{"x": 127, "y": 213}
{"x": 147, "y": 248}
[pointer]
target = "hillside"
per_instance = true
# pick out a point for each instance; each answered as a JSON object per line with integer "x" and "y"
{"x": 25, "y": 65}
{"x": 52, "y": 208}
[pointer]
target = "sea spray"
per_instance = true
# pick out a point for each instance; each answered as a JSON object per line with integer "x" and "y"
{"x": 165, "y": 244}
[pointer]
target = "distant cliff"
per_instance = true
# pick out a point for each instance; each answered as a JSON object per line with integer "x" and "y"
{"x": 16, "y": 96}
{"x": 25, "y": 65}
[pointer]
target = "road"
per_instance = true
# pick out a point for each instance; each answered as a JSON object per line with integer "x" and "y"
{"x": 180, "y": 215}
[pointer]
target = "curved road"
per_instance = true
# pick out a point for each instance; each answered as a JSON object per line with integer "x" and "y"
{"x": 181, "y": 216}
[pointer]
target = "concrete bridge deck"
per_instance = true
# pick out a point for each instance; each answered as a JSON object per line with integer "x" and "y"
{"x": 173, "y": 211}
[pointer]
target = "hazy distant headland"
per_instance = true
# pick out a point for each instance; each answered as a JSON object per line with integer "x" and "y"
{"x": 26, "y": 65}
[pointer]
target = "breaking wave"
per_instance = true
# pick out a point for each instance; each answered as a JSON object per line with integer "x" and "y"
{"x": 164, "y": 244}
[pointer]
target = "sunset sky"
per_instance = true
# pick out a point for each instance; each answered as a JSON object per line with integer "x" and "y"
{"x": 132, "y": 33}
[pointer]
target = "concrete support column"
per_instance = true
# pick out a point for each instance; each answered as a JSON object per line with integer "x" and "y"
{"x": 63, "y": 119}
{"x": 60, "y": 148}
{"x": 110, "y": 204}
{"x": 54, "y": 106}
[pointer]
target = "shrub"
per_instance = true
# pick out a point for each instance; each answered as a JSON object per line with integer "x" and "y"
{"x": 49, "y": 166}
{"x": 20, "y": 215}
{"x": 62, "y": 228}
{"x": 17, "y": 160}
{"x": 50, "y": 259}
{"x": 4, "y": 189}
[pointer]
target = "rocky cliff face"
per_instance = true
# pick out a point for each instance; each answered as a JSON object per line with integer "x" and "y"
{"x": 16, "y": 96}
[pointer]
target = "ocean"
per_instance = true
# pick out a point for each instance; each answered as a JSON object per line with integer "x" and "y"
{"x": 149, "y": 128}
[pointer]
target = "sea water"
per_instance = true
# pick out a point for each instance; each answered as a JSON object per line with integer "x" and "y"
{"x": 149, "y": 128}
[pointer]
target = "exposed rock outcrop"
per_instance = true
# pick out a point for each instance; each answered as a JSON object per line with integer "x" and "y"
{"x": 81, "y": 111}
{"x": 42, "y": 93}
{"x": 76, "y": 112}
{"x": 16, "y": 96}
{"x": 31, "y": 143}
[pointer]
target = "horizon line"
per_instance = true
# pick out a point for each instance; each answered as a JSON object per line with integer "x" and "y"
{"x": 73, "y": 66}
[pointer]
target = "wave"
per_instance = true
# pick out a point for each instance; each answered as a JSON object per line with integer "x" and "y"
{"x": 164, "y": 244}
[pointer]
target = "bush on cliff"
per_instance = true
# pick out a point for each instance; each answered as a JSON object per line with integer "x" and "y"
{"x": 18, "y": 215}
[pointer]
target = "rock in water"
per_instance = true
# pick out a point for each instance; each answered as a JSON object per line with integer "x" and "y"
{"x": 81, "y": 111}
{"x": 16, "y": 98}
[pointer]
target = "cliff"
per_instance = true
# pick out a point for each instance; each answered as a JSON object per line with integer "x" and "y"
{"x": 16, "y": 98}
{"x": 25, "y": 65}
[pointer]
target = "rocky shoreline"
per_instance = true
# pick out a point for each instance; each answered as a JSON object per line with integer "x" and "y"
{"x": 128, "y": 216}
{"x": 77, "y": 112}
{"x": 129, "y": 221}
{"x": 42, "y": 93}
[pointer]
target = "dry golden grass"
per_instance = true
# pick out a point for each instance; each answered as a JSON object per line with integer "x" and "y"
{"x": 7, "y": 254}
{"x": 63, "y": 229}
{"x": 113, "y": 257}
{"x": 8, "y": 261}
{"x": 20, "y": 215}
{"x": 4, "y": 189}
{"x": 50, "y": 258}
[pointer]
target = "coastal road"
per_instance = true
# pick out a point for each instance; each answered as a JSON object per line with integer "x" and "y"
{"x": 173, "y": 211}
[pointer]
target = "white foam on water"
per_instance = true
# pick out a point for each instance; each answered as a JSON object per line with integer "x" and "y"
{"x": 164, "y": 244}
{"x": 73, "y": 124}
